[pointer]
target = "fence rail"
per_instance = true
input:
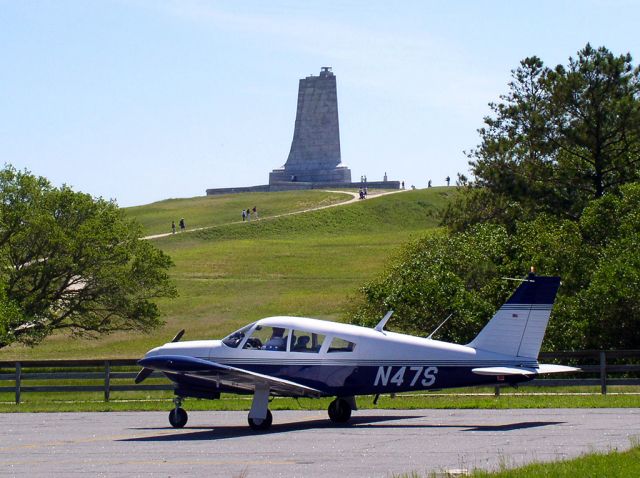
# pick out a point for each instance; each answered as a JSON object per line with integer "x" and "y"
{"x": 597, "y": 363}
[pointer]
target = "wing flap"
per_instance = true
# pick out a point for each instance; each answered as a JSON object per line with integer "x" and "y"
{"x": 232, "y": 377}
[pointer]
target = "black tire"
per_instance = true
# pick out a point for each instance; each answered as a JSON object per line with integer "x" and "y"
{"x": 339, "y": 411}
{"x": 261, "y": 425}
{"x": 178, "y": 417}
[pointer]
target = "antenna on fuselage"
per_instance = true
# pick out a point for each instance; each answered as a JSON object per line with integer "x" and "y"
{"x": 384, "y": 321}
{"x": 529, "y": 278}
{"x": 443, "y": 322}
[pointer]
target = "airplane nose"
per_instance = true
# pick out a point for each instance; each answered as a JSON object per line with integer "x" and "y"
{"x": 154, "y": 351}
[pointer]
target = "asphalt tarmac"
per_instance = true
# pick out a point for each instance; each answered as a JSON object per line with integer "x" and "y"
{"x": 304, "y": 443}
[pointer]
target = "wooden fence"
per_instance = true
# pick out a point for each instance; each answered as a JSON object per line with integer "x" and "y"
{"x": 597, "y": 370}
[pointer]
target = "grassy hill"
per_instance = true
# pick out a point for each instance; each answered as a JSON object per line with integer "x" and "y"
{"x": 206, "y": 211}
{"x": 233, "y": 273}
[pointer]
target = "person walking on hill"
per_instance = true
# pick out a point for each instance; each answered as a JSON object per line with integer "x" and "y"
{"x": 182, "y": 225}
{"x": 248, "y": 215}
{"x": 244, "y": 215}
{"x": 173, "y": 227}
{"x": 255, "y": 212}
{"x": 448, "y": 180}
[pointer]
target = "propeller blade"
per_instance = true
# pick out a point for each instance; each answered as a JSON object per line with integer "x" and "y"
{"x": 145, "y": 372}
{"x": 178, "y": 336}
{"x": 142, "y": 374}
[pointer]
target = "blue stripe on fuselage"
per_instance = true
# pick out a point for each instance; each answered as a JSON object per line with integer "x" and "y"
{"x": 345, "y": 380}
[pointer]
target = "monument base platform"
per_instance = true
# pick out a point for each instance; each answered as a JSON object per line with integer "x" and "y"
{"x": 297, "y": 185}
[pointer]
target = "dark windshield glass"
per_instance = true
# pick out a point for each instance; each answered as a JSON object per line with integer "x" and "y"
{"x": 234, "y": 339}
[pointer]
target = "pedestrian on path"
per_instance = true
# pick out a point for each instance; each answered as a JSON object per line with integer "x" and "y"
{"x": 173, "y": 227}
{"x": 244, "y": 215}
{"x": 182, "y": 225}
{"x": 255, "y": 212}
{"x": 248, "y": 215}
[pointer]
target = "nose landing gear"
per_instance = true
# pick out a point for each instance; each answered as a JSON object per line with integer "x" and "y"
{"x": 178, "y": 416}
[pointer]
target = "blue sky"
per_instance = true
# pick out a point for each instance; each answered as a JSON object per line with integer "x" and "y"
{"x": 141, "y": 100}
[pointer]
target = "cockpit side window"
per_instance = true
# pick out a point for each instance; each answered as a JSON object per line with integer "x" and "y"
{"x": 268, "y": 338}
{"x": 234, "y": 339}
{"x": 303, "y": 341}
{"x": 341, "y": 345}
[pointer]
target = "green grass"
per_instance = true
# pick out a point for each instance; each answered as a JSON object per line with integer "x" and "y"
{"x": 205, "y": 211}
{"x": 621, "y": 464}
{"x": 473, "y": 398}
{"x": 308, "y": 264}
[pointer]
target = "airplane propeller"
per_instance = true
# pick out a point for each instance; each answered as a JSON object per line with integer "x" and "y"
{"x": 145, "y": 372}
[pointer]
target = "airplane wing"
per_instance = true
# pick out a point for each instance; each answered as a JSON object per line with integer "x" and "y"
{"x": 227, "y": 376}
{"x": 541, "y": 368}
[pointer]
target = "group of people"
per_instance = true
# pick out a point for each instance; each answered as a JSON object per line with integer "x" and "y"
{"x": 246, "y": 214}
{"x": 363, "y": 193}
{"x": 447, "y": 179}
{"x": 181, "y": 223}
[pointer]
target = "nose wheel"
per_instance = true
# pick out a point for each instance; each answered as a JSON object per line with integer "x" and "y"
{"x": 339, "y": 411}
{"x": 178, "y": 416}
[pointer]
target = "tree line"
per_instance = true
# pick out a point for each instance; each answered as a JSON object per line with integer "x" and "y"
{"x": 554, "y": 184}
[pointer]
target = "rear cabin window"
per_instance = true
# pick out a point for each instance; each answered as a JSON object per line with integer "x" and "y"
{"x": 303, "y": 341}
{"x": 268, "y": 338}
{"x": 341, "y": 345}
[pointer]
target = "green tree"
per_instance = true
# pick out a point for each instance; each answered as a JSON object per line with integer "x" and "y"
{"x": 558, "y": 139}
{"x": 608, "y": 307}
{"x": 598, "y": 259}
{"x": 72, "y": 262}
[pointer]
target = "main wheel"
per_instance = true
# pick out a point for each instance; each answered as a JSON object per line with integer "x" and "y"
{"x": 257, "y": 424}
{"x": 178, "y": 417}
{"x": 339, "y": 411}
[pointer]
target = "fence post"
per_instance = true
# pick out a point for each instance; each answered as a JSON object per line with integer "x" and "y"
{"x": 107, "y": 379}
{"x": 603, "y": 373}
{"x": 18, "y": 380}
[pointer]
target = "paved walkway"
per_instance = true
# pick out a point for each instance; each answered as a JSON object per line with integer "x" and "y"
{"x": 354, "y": 198}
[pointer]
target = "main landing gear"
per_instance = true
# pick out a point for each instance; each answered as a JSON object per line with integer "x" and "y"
{"x": 261, "y": 424}
{"x": 340, "y": 409}
{"x": 178, "y": 416}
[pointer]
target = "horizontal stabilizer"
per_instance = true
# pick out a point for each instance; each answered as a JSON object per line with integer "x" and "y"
{"x": 549, "y": 368}
{"x": 504, "y": 371}
{"x": 541, "y": 368}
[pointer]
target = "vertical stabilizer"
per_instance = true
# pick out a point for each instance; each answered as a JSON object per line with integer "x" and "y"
{"x": 518, "y": 327}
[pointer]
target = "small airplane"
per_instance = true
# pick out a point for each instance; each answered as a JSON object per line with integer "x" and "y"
{"x": 302, "y": 357}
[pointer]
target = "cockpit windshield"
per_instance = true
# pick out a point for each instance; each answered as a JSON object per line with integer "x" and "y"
{"x": 234, "y": 339}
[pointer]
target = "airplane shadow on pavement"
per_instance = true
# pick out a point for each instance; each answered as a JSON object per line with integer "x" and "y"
{"x": 360, "y": 422}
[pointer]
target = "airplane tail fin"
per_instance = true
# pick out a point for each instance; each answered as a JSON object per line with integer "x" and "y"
{"x": 518, "y": 327}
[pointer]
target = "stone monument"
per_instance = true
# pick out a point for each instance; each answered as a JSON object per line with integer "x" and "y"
{"x": 315, "y": 150}
{"x": 314, "y": 160}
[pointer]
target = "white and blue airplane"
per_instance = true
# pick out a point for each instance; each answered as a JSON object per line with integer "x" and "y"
{"x": 301, "y": 357}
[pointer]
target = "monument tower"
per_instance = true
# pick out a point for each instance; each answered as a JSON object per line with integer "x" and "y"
{"x": 315, "y": 150}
